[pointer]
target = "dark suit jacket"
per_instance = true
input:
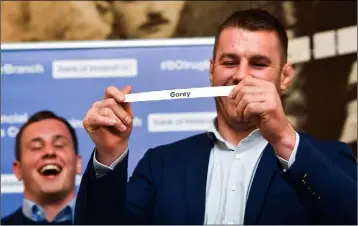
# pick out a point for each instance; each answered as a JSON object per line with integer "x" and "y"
{"x": 168, "y": 186}
{"x": 18, "y": 218}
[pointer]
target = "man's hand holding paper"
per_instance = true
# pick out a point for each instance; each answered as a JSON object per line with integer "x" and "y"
{"x": 109, "y": 123}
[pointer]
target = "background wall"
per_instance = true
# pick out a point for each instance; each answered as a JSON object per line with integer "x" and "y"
{"x": 323, "y": 48}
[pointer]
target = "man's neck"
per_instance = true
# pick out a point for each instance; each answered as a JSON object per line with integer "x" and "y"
{"x": 233, "y": 134}
{"x": 51, "y": 207}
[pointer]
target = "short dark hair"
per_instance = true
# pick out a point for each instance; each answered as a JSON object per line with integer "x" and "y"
{"x": 39, "y": 116}
{"x": 255, "y": 20}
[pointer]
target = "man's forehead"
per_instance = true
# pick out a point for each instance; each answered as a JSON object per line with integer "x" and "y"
{"x": 46, "y": 129}
{"x": 240, "y": 41}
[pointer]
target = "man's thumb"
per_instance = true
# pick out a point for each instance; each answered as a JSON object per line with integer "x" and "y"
{"x": 127, "y": 89}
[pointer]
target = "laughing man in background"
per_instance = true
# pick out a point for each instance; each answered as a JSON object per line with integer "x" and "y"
{"x": 47, "y": 162}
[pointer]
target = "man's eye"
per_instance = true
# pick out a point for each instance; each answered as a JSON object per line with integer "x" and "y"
{"x": 229, "y": 63}
{"x": 60, "y": 145}
{"x": 35, "y": 148}
{"x": 258, "y": 65}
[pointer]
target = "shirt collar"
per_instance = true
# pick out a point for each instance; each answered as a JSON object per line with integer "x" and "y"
{"x": 34, "y": 212}
{"x": 253, "y": 138}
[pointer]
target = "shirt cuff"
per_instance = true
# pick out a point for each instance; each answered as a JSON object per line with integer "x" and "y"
{"x": 101, "y": 169}
{"x": 287, "y": 164}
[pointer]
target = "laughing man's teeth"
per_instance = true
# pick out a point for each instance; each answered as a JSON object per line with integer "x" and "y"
{"x": 50, "y": 167}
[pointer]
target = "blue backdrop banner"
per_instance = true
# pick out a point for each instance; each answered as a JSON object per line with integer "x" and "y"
{"x": 68, "y": 77}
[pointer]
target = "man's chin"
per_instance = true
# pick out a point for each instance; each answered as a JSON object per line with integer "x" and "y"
{"x": 54, "y": 193}
{"x": 52, "y": 186}
{"x": 51, "y": 190}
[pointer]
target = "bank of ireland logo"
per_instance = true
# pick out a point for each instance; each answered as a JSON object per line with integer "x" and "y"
{"x": 180, "y": 121}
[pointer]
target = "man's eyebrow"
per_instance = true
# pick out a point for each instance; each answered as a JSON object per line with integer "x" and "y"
{"x": 59, "y": 137}
{"x": 36, "y": 139}
{"x": 228, "y": 55}
{"x": 261, "y": 58}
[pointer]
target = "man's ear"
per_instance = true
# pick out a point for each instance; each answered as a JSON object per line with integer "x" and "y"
{"x": 211, "y": 71}
{"x": 287, "y": 74}
{"x": 78, "y": 164}
{"x": 16, "y": 167}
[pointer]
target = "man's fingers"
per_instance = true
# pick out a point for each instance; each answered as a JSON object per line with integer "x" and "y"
{"x": 107, "y": 112}
{"x": 96, "y": 105}
{"x": 119, "y": 96}
{"x": 94, "y": 120}
{"x": 253, "y": 111}
{"x": 113, "y": 92}
{"x": 117, "y": 109}
{"x": 247, "y": 81}
{"x": 103, "y": 117}
{"x": 127, "y": 106}
{"x": 110, "y": 112}
{"x": 247, "y": 90}
{"x": 127, "y": 90}
{"x": 246, "y": 100}
{"x": 235, "y": 90}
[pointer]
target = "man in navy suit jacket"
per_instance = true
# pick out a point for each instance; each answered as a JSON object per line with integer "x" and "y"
{"x": 251, "y": 167}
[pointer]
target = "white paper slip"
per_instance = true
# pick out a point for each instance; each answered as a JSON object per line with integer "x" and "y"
{"x": 216, "y": 91}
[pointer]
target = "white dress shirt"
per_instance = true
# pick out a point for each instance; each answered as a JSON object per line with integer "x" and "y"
{"x": 230, "y": 173}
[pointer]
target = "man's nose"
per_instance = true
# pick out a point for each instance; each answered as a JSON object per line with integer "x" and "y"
{"x": 241, "y": 72}
{"x": 49, "y": 152}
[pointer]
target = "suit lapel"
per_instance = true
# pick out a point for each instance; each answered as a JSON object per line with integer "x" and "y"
{"x": 196, "y": 175}
{"x": 264, "y": 173}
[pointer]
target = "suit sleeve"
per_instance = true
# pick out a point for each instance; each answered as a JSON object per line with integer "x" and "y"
{"x": 325, "y": 183}
{"x": 110, "y": 200}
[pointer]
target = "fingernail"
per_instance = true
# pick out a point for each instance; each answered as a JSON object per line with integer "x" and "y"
{"x": 127, "y": 119}
{"x": 121, "y": 97}
{"x": 123, "y": 127}
{"x": 112, "y": 121}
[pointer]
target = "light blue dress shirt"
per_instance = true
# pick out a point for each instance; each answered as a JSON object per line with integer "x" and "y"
{"x": 230, "y": 173}
{"x": 34, "y": 212}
